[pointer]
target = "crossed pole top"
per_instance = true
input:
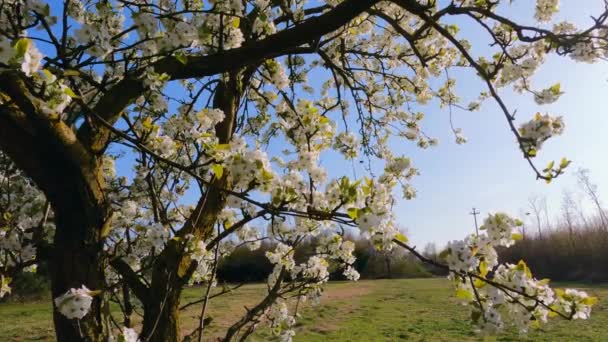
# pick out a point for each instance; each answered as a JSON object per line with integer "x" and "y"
{"x": 475, "y": 212}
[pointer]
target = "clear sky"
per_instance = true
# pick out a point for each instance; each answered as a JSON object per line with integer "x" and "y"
{"x": 489, "y": 172}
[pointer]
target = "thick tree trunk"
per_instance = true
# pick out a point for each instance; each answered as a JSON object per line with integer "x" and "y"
{"x": 76, "y": 260}
{"x": 161, "y": 307}
{"x": 69, "y": 177}
{"x": 161, "y": 319}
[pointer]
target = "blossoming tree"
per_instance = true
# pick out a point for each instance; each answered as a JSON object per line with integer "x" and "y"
{"x": 191, "y": 99}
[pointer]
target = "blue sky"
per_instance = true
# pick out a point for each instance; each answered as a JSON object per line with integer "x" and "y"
{"x": 488, "y": 172}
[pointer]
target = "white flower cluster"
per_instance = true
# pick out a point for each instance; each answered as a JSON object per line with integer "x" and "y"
{"x": 307, "y": 129}
{"x": 574, "y": 302}
{"x": 500, "y": 229}
{"x": 198, "y": 252}
{"x": 153, "y": 80}
{"x": 335, "y": 247}
{"x": 512, "y": 72}
{"x": 518, "y": 298}
{"x": 23, "y": 53}
{"x": 250, "y": 237}
{"x": 536, "y": 131}
{"x": 263, "y": 25}
{"x": 161, "y": 143}
{"x": 466, "y": 255}
{"x": 586, "y": 52}
{"x": 31, "y": 60}
{"x": 347, "y": 144}
{"x": 248, "y": 168}
{"x": 395, "y": 168}
{"x": 156, "y": 235}
{"x": 75, "y": 303}
{"x": 461, "y": 257}
{"x": 127, "y": 335}
{"x": 376, "y": 219}
{"x": 280, "y": 321}
{"x": 97, "y": 30}
{"x": 518, "y": 303}
{"x": 24, "y": 212}
{"x": 548, "y": 95}
{"x": 315, "y": 268}
{"x": 281, "y": 256}
{"x": 275, "y": 72}
{"x": 545, "y": 9}
{"x": 146, "y": 237}
{"x": 17, "y": 243}
{"x": 208, "y": 118}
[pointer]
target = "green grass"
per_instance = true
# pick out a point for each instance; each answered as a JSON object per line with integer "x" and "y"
{"x": 381, "y": 310}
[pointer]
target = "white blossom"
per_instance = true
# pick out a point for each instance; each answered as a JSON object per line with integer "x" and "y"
{"x": 75, "y": 303}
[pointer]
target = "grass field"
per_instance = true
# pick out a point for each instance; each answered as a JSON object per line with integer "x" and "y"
{"x": 381, "y": 310}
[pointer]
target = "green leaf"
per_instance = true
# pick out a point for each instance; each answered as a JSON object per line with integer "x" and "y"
{"x": 464, "y": 294}
{"x": 49, "y": 75}
{"x": 21, "y": 47}
{"x": 552, "y": 314}
{"x": 71, "y": 73}
{"x": 521, "y": 266}
{"x": 218, "y": 170}
{"x": 478, "y": 283}
{"x": 401, "y": 237}
{"x": 517, "y": 236}
{"x": 267, "y": 175}
{"x": 181, "y": 57}
{"x": 483, "y": 268}
{"x": 353, "y": 213}
{"x": 590, "y": 300}
{"x": 164, "y": 77}
{"x": 236, "y": 22}
{"x": 147, "y": 123}
{"x": 70, "y": 93}
{"x": 555, "y": 89}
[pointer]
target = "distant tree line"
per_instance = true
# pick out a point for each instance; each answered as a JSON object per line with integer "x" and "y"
{"x": 244, "y": 265}
{"x": 573, "y": 246}
{"x": 564, "y": 253}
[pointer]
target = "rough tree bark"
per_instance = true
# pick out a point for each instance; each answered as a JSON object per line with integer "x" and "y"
{"x": 68, "y": 175}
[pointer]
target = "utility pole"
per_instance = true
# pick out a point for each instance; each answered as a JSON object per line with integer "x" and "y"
{"x": 475, "y": 213}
